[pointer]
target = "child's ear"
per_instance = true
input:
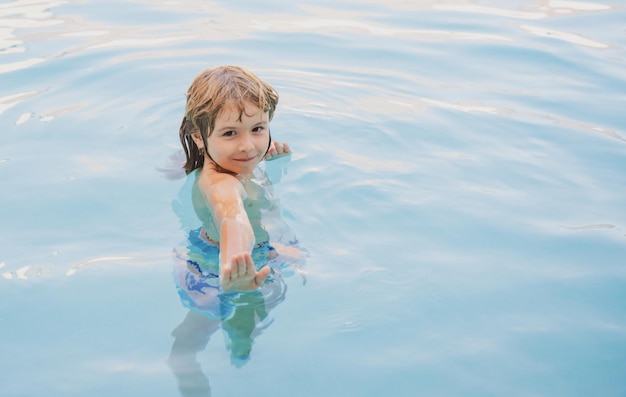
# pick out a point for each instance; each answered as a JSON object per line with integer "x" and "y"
{"x": 197, "y": 138}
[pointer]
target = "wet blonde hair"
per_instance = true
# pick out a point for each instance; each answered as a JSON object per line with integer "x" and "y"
{"x": 209, "y": 92}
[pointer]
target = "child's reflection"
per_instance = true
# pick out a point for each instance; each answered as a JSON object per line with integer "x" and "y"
{"x": 243, "y": 316}
{"x": 191, "y": 337}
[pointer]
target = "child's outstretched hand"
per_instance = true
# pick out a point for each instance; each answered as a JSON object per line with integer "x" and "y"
{"x": 241, "y": 275}
{"x": 277, "y": 150}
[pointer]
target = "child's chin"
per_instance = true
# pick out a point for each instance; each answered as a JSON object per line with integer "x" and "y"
{"x": 247, "y": 167}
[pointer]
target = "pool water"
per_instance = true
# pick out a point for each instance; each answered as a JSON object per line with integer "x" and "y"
{"x": 458, "y": 182}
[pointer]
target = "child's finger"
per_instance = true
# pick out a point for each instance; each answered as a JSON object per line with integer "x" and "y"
{"x": 270, "y": 152}
{"x": 262, "y": 275}
{"x": 250, "y": 269}
{"x": 242, "y": 267}
{"x": 226, "y": 276}
{"x": 277, "y": 149}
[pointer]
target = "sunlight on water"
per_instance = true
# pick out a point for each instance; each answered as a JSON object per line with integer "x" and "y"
{"x": 457, "y": 184}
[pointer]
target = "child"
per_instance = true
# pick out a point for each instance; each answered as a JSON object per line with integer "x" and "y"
{"x": 225, "y": 134}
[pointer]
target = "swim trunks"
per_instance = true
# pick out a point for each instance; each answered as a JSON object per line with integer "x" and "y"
{"x": 196, "y": 274}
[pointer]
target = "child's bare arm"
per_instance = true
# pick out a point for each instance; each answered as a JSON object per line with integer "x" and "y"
{"x": 224, "y": 194}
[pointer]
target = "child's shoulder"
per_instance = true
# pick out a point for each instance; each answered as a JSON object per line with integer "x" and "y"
{"x": 214, "y": 184}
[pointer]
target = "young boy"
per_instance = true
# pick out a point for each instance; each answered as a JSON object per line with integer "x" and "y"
{"x": 225, "y": 134}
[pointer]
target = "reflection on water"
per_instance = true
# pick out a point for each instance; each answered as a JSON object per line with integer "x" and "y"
{"x": 243, "y": 318}
{"x": 191, "y": 337}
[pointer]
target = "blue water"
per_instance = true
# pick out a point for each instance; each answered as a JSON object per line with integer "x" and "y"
{"x": 458, "y": 180}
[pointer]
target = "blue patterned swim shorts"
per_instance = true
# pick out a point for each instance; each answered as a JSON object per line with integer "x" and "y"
{"x": 196, "y": 274}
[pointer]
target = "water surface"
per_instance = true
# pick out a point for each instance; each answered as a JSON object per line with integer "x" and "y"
{"x": 458, "y": 181}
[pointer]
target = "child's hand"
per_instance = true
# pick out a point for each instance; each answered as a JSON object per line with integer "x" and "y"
{"x": 277, "y": 150}
{"x": 241, "y": 275}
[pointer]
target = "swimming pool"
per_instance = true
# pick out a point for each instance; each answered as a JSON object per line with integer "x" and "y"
{"x": 458, "y": 182}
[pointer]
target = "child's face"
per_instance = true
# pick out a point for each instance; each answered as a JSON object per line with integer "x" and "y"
{"x": 239, "y": 145}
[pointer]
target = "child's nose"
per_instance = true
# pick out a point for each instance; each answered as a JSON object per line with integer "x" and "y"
{"x": 245, "y": 145}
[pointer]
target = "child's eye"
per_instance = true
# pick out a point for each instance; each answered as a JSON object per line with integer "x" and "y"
{"x": 229, "y": 133}
{"x": 258, "y": 129}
